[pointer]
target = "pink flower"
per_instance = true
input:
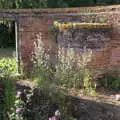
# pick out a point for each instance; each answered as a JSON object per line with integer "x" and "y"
{"x": 57, "y": 113}
{"x": 53, "y": 118}
{"x": 18, "y": 110}
{"x": 56, "y": 117}
{"x": 19, "y": 93}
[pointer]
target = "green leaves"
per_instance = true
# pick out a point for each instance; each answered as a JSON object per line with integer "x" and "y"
{"x": 7, "y": 66}
{"x": 53, "y": 3}
{"x": 6, "y": 4}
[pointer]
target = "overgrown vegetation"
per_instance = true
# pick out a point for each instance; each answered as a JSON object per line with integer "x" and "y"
{"x": 8, "y": 66}
{"x": 53, "y": 3}
{"x": 44, "y": 76}
{"x": 67, "y": 72}
{"x": 7, "y": 99}
{"x": 70, "y": 69}
{"x": 111, "y": 79}
{"x": 15, "y": 112}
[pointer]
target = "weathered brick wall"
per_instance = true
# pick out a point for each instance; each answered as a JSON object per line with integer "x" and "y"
{"x": 96, "y": 40}
{"x": 30, "y": 29}
{"x": 104, "y": 43}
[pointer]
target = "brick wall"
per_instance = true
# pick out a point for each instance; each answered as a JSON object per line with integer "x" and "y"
{"x": 30, "y": 30}
{"x": 105, "y": 44}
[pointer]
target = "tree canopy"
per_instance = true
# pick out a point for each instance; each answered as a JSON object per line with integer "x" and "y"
{"x": 53, "y": 3}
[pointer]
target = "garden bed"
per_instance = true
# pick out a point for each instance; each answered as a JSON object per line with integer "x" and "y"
{"x": 87, "y": 107}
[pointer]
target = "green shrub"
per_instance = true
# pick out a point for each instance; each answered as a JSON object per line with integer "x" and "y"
{"x": 12, "y": 105}
{"x": 8, "y": 99}
{"x": 112, "y": 79}
{"x": 8, "y": 66}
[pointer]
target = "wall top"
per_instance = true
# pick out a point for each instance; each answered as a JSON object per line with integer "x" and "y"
{"x": 15, "y": 14}
{"x": 113, "y": 8}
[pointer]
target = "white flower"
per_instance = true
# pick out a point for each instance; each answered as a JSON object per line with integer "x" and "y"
{"x": 57, "y": 113}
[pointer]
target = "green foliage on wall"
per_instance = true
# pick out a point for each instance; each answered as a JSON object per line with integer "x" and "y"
{"x": 53, "y": 3}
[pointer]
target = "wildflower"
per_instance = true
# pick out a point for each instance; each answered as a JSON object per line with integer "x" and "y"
{"x": 57, "y": 113}
{"x": 19, "y": 93}
{"x": 53, "y": 118}
{"x": 18, "y": 110}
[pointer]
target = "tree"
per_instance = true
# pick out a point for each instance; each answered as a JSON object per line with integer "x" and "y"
{"x": 53, "y": 3}
{"x": 23, "y": 4}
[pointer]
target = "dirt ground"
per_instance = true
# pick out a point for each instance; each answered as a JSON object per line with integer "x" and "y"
{"x": 102, "y": 95}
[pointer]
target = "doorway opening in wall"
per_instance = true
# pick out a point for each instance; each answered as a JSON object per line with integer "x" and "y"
{"x": 8, "y": 47}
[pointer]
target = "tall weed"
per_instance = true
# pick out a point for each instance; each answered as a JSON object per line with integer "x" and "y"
{"x": 72, "y": 69}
